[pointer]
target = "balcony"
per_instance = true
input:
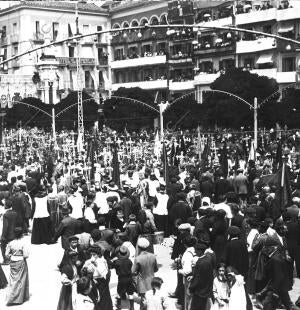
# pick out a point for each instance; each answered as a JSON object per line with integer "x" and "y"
{"x": 204, "y": 78}
{"x": 3, "y": 41}
{"x": 180, "y": 86}
{"x": 90, "y": 40}
{"x": 15, "y": 64}
{"x": 280, "y": 77}
{"x": 14, "y": 38}
{"x": 257, "y": 16}
{"x": 137, "y": 62}
{"x": 103, "y": 61}
{"x": 286, "y": 77}
{"x": 229, "y": 47}
{"x": 38, "y": 38}
{"x": 72, "y": 61}
{"x": 254, "y": 46}
{"x": 133, "y": 36}
{"x": 288, "y": 14}
{"x": 270, "y": 73}
{"x": 156, "y": 84}
{"x": 180, "y": 58}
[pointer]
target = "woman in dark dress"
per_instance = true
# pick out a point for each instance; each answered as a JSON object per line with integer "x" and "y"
{"x": 68, "y": 279}
{"x": 42, "y": 231}
{"x": 147, "y": 230}
{"x": 219, "y": 234}
{"x": 97, "y": 269}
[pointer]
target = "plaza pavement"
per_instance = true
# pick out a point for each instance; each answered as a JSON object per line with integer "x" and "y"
{"x": 45, "y": 283}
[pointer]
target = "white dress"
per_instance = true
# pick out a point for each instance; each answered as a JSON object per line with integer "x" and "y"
{"x": 237, "y": 299}
{"x": 220, "y": 291}
{"x": 157, "y": 301}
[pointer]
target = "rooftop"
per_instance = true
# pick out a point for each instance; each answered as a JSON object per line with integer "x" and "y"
{"x": 58, "y": 5}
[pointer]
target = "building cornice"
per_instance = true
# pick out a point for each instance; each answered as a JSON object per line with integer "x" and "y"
{"x": 48, "y": 7}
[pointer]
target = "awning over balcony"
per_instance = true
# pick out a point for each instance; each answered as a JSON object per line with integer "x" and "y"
{"x": 264, "y": 59}
{"x": 285, "y": 28}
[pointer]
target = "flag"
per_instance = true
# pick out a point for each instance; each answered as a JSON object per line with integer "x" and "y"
{"x": 79, "y": 143}
{"x": 172, "y": 154}
{"x": 285, "y": 189}
{"x": 224, "y": 160}
{"x": 157, "y": 145}
{"x": 205, "y": 154}
{"x": 182, "y": 146}
{"x": 165, "y": 164}
{"x": 116, "y": 166}
{"x": 278, "y": 158}
{"x": 283, "y": 193}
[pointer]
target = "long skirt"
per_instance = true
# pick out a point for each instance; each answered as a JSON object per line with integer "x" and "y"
{"x": 65, "y": 301}
{"x": 41, "y": 231}
{"x": 3, "y": 281}
{"x": 105, "y": 302}
{"x": 18, "y": 290}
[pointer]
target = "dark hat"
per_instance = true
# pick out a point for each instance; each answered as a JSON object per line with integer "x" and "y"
{"x": 132, "y": 217}
{"x": 234, "y": 231}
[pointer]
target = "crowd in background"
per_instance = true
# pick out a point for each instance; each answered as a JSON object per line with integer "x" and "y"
{"x": 207, "y": 193}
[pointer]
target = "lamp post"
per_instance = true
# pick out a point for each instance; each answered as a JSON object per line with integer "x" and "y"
{"x": 255, "y": 124}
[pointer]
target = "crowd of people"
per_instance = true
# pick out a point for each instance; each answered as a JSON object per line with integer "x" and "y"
{"x": 234, "y": 222}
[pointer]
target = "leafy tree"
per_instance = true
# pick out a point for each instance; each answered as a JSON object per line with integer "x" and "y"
{"x": 290, "y": 112}
{"x": 120, "y": 113}
{"x": 28, "y": 116}
{"x": 225, "y": 110}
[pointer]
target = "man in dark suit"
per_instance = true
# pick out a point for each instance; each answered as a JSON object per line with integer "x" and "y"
{"x": 179, "y": 210}
{"x": 201, "y": 286}
{"x": 9, "y": 224}
{"x": 240, "y": 184}
{"x": 19, "y": 203}
{"x": 67, "y": 228}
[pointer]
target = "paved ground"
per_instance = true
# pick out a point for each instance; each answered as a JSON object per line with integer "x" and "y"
{"x": 45, "y": 284}
{"x": 45, "y": 279}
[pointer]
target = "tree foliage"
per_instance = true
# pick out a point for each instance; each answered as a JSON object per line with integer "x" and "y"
{"x": 225, "y": 110}
{"x": 120, "y": 113}
{"x": 29, "y": 116}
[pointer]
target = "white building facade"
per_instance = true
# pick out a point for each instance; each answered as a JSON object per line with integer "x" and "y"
{"x": 31, "y": 24}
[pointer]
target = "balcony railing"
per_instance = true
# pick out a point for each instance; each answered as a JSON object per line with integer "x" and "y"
{"x": 14, "y": 38}
{"x": 133, "y": 36}
{"x": 38, "y": 38}
{"x": 258, "y": 45}
{"x": 217, "y": 48}
{"x": 205, "y": 78}
{"x": 15, "y": 63}
{"x": 103, "y": 61}
{"x": 154, "y": 84}
{"x": 141, "y": 61}
{"x": 72, "y": 61}
{"x": 3, "y": 41}
{"x": 183, "y": 85}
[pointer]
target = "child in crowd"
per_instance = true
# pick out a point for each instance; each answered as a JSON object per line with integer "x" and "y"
{"x": 156, "y": 299}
